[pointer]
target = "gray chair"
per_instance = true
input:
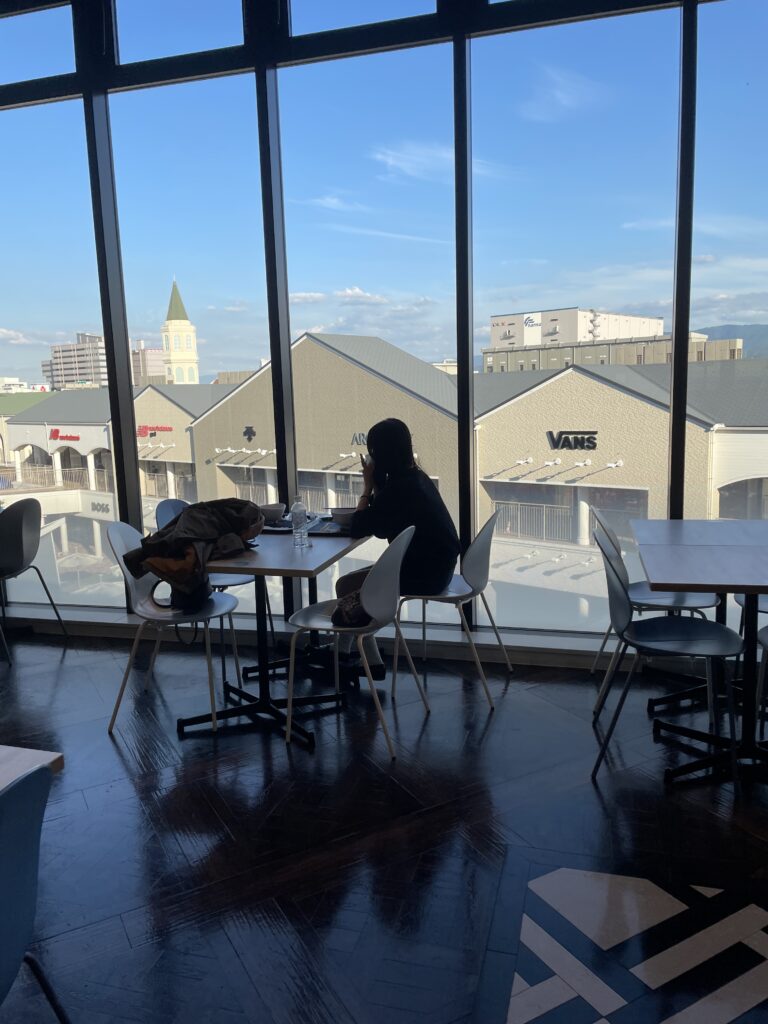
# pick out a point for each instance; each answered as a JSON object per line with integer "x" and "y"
{"x": 470, "y": 582}
{"x": 19, "y": 543}
{"x": 168, "y": 509}
{"x": 124, "y": 538}
{"x": 22, "y": 805}
{"x": 762, "y": 639}
{"x": 646, "y": 600}
{"x": 379, "y": 596}
{"x": 660, "y": 636}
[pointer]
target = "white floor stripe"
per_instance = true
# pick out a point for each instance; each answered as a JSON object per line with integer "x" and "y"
{"x": 729, "y": 1002}
{"x": 519, "y": 984}
{"x": 607, "y": 908}
{"x": 570, "y": 968}
{"x": 538, "y": 999}
{"x": 706, "y": 890}
{"x": 758, "y": 942}
{"x": 691, "y": 952}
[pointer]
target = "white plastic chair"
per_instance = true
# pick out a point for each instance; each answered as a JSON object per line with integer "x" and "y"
{"x": 379, "y": 596}
{"x": 470, "y": 582}
{"x": 124, "y": 538}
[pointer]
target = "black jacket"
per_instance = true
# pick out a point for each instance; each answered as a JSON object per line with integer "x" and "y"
{"x": 413, "y": 500}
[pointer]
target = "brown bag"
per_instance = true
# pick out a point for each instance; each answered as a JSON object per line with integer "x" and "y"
{"x": 349, "y": 612}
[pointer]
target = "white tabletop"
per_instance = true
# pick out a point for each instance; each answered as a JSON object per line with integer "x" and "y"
{"x": 698, "y": 555}
{"x": 17, "y": 761}
{"x": 276, "y": 556}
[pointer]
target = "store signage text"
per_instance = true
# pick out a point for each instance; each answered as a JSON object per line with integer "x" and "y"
{"x": 143, "y": 430}
{"x": 56, "y": 435}
{"x": 585, "y": 440}
{"x": 530, "y": 321}
{"x": 359, "y": 438}
{"x": 100, "y": 506}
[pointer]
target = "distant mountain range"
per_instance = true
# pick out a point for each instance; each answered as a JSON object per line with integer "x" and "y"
{"x": 755, "y": 337}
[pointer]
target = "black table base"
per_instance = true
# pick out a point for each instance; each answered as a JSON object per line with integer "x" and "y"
{"x": 733, "y": 761}
{"x": 261, "y": 710}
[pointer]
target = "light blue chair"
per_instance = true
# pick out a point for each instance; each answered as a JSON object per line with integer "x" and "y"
{"x": 22, "y": 805}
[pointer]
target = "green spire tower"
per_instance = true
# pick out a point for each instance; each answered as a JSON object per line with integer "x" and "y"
{"x": 179, "y": 343}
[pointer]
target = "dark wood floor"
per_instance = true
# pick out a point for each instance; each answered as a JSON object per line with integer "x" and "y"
{"x": 230, "y": 879}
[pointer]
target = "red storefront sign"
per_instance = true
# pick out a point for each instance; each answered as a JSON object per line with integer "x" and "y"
{"x": 144, "y": 430}
{"x": 56, "y": 435}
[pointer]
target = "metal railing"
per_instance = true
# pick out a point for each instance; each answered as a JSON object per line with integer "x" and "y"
{"x": 539, "y": 522}
{"x": 315, "y": 498}
{"x": 39, "y": 476}
{"x": 104, "y": 481}
{"x": 155, "y": 485}
{"x": 186, "y": 488}
{"x": 619, "y": 521}
{"x": 253, "y": 492}
{"x": 74, "y": 479}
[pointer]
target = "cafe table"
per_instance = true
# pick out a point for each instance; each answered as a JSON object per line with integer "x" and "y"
{"x": 17, "y": 761}
{"x": 273, "y": 554}
{"x": 727, "y": 556}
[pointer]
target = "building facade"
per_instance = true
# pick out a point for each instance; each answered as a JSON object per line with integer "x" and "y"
{"x": 147, "y": 365}
{"x": 82, "y": 363}
{"x": 179, "y": 335}
{"x": 569, "y": 326}
{"x": 613, "y": 352}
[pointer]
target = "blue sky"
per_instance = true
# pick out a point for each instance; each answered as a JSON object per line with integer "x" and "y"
{"x": 574, "y": 137}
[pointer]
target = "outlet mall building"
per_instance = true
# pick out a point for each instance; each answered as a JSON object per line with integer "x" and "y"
{"x": 549, "y": 444}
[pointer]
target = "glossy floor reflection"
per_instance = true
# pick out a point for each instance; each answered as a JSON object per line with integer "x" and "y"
{"x": 480, "y": 878}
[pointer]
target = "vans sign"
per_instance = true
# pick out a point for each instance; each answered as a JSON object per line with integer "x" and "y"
{"x": 583, "y": 440}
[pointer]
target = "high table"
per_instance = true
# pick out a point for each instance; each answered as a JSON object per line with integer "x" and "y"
{"x": 727, "y": 556}
{"x": 273, "y": 554}
{"x": 17, "y": 761}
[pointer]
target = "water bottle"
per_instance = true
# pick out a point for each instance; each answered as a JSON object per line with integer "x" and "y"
{"x": 299, "y": 523}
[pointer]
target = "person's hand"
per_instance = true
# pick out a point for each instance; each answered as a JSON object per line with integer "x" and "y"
{"x": 367, "y": 473}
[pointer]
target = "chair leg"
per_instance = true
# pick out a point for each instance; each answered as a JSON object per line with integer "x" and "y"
{"x": 375, "y": 696}
{"x": 615, "y": 718}
{"x": 6, "y": 649}
{"x": 600, "y": 651}
{"x": 608, "y": 680}
{"x": 496, "y": 631}
{"x": 761, "y": 692}
{"x": 47, "y": 989}
{"x": 731, "y": 721}
{"x": 211, "y": 681}
{"x": 396, "y": 651}
{"x": 414, "y": 673}
{"x": 127, "y": 672}
{"x": 153, "y": 659}
{"x": 475, "y": 655}
{"x": 714, "y": 723}
{"x": 291, "y": 670}
{"x": 235, "y": 653}
{"x": 423, "y": 630}
{"x": 336, "y": 684}
{"x": 52, "y": 602}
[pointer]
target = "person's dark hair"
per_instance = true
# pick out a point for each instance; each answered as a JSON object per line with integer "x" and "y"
{"x": 391, "y": 448}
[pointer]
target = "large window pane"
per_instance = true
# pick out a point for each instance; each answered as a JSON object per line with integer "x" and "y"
{"x": 574, "y": 207}
{"x": 36, "y": 45}
{"x": 370, "y": 224}
{"x": 186, "y": 160}
{"x": 162, "y": 28}
{"x": 319, "y": 15}
{"x": 730, "y": 298}
{"x": 54, "y": 447}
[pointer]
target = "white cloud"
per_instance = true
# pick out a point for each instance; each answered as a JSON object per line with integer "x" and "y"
{"x": 303, "y": 298}
{"x": 12, "y": 337}
{"x": 483, "y": 332}
{"x": 705, "y": 258}
{"x": 356, "y": 296}
{"x": 558, "y": 92}
{"x": 238, "y": 307}
{"x": 650, "y": 224}
{"x": 428, "y": 161}
{"x": 335, "y": 202}
{"x": 347, "y": 229}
